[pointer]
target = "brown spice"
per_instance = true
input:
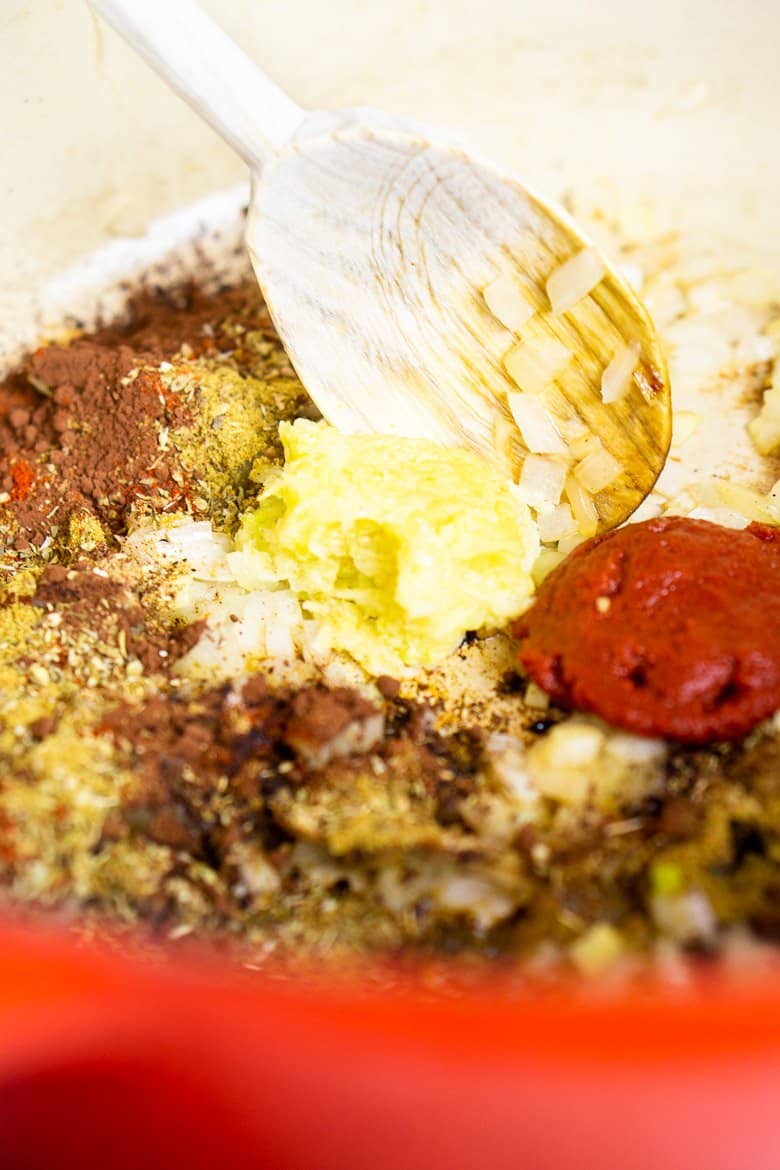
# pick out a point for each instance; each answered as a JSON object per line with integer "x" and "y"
{"x": 40, "y": 728}
{"x": 388, "y": 687}
{"x": 163, "y": 321}
{"x": 92, "y": 604}
{"x": 325, "y": 723}
{"x": 106, "y": 430}
{"x": 84, "y": 426}
{"x": 216, "y": 771}
{"x": 678, "y": 818}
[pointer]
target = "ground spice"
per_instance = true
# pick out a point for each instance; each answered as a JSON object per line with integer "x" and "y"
{"x": 100, "y": 418}
{"x": 220, "y": 773}
{"x": 188, "y": 320}
{"x": 93, "y": 605}
{"x": 85, "y": 427}
{"x": 22, "y": 476}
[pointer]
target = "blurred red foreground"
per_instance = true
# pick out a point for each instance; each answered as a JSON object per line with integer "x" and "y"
{"x": 115, "y": 1062}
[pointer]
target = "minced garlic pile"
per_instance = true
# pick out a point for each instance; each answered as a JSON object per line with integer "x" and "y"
{"x": 397, "y": 546}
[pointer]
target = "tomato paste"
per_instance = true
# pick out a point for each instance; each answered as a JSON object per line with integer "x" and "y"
{"x": 670, "y": 627}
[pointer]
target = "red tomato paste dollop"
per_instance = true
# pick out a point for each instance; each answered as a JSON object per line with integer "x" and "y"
{"x": 670, "y": 627}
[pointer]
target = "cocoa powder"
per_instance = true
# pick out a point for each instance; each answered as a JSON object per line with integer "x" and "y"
{"x": 90, "y": 442}
{"x": 80, "y": 422}
{"x": 166, "y": 321}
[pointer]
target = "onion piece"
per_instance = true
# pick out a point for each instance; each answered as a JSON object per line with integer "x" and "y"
{"x": 541, "y": 482}
{"x": 597, "y": 950}
{"x": 284, "y": 616}
{"x": 548, "y": 559}
{"x": 539, "y": 432}
{"x": 572, "y": 429}
{"x": 568, "y": 544}
{"x": 616, "y": 379}
{"x": 533, "y": 365}
{"x": 597, "y": 470}
{"x": 773, "y": 496}
{"x": 535, "y": 697}
{"x": 764, "y": 429}
{"x": 745, "y": 502}
{"x": 574, "y": 279}
{"x": 684, "y": 424}
{"x": 583, "y": 445}
{"x": 582, "y": 506}
{"x": 507, "y": 302}
{"x": 557, "y": 524}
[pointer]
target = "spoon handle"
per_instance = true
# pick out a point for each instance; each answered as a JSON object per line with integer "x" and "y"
{"x": 206, "y": 68}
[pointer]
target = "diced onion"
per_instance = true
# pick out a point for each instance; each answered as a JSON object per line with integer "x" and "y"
{"x": 706, "y": 492}
{"x": 575, "y": 745}
{"x": 548, "y": 559}
{"x": 477, "y": 897}
{"x": 616, "y": 379}
{"x": 748, "y": 503}
{"x": 636, "y": 749}
{"x": 539, "y": 432}
{"x": 685, "y": 916}
{"x": 506, "y": 301}
{"x": 568, "y": 544}
{"x": 684, "y": 424}
{"x": 541, "y": 482}
{"x": 597, "y": 470}
{"x": 574, "y": 280}
{"x": 597, "y": 950}
{"x": 583, "y": 445}
{"x": 557, "y": 524}
{"x": 533, "y": 365}
{"x": 572, "y": 429}
{"x": 582, "y": 506}
{"x": 773, "y": 496}
{"x": 764, "y": 429}
{"x": 535, "y": 697}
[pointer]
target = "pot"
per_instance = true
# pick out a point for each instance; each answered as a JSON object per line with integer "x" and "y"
{"x": 107, "y": 1058}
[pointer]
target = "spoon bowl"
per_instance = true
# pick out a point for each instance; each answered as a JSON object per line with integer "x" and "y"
{"x": 419, "y": 292}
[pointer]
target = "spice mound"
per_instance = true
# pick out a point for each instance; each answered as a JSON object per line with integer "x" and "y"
{"x": 670, "y": 627}
{"x": 397, "y": 546}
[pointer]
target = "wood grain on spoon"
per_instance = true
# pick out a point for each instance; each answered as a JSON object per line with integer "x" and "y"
{"x": 420, "y": 292}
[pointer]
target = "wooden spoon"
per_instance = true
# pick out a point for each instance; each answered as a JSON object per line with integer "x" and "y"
{"x": 411, "y": 285}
